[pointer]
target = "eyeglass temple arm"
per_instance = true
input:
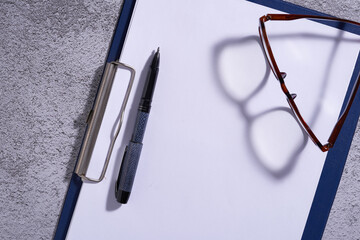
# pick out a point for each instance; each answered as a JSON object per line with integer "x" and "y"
{"x": 336, "y": 130}
{"x": 285, "y": 17}
{"x": 307, "y": 129}
{"x": 340, "y": 122}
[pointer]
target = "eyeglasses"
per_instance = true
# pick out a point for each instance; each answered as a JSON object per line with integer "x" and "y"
{"x": 281, "y": 76}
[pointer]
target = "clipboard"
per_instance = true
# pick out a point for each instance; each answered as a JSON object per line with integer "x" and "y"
{"x": 332, "y": 168}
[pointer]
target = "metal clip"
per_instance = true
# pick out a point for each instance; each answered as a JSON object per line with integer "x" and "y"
{"x": 94, "y": 122}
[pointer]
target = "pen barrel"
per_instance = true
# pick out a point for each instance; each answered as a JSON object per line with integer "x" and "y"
{"x": 148, "y": 93}
{"x": 131, "y": 156}
{"x": 140, "y": 126}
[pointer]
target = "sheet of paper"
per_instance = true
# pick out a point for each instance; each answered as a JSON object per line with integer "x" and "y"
{"x": 223, "y": 157}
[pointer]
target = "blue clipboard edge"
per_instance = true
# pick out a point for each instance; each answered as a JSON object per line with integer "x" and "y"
{"x": 334, "y": 163}
{"x": 335, "y": 160}
{"x": 75, "y": 184}
{"x": 333, "y": 168}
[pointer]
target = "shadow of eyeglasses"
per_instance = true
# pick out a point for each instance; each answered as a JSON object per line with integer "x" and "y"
{"x": 251, "y": 120}
{"x": 262, "y": 78}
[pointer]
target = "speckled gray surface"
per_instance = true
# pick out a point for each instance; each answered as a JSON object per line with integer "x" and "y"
{"x": 51, "y": 56}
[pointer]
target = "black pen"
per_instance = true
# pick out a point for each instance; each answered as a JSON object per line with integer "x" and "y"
{"x": 131, "y": 156}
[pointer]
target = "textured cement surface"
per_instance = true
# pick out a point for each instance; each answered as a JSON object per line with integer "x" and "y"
{"x": 51, "y": 58}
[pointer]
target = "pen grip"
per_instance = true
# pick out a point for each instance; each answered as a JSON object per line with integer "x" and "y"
{"x": 128, "y": 167}
{"x": 131, "y": 159}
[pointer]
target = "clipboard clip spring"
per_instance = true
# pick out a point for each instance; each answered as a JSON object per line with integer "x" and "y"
{"x": 96, "y": 116}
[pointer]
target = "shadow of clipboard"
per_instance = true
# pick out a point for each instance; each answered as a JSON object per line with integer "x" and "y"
{"x": 333, "y": 165}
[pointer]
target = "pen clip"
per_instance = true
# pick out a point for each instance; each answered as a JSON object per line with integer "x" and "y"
{"x": 96, "y": 119}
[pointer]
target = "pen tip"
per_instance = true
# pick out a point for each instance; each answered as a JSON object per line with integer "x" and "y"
{"x": 158, "y": 49}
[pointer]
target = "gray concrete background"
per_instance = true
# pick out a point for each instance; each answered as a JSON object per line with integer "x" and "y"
{"x": 51, "y": 57}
